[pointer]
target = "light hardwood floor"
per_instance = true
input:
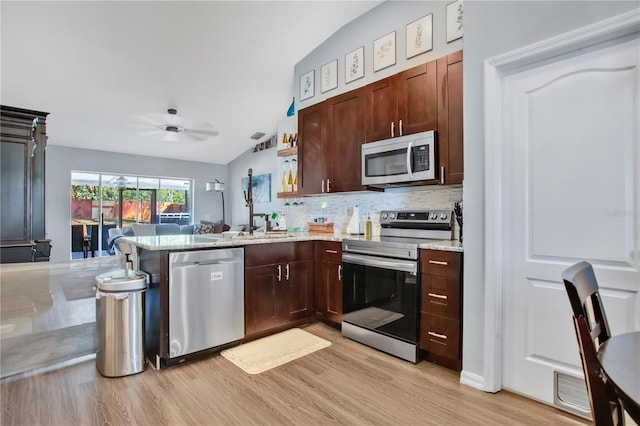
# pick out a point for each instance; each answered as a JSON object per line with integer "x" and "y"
{"x": 346, "y": 383}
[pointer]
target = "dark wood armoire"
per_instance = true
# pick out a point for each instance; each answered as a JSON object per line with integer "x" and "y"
{"x": 22, "y": 186}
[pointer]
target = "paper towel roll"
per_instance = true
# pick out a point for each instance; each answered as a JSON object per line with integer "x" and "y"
{"x": 354, "y": 224}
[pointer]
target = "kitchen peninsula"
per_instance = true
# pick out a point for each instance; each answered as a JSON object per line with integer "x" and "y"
{"x": 269, "y": 306}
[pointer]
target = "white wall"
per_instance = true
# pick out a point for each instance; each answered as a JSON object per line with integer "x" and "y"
{"x": 492, "y": 28}
{"x": 61, "y": 161}
{"x": 379, "y": 21}
{"x": 261, "y": 162}
{"x": 389, "y": 16}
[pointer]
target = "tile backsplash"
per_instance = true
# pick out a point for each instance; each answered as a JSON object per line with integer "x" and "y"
{"x": 338, "y": 208}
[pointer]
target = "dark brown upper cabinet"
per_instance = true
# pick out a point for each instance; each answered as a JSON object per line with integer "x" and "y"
{"x": 345, "y": 136}
{"x": 402, "y": 104}
{"x": 331, "y": 134}
{"x": 450, "y": 119}
{"x": 311, "y": 150}
{"x": 422, "y": 98}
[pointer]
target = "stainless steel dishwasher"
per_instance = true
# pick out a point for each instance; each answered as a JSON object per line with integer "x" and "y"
{"x": 206, "y": 299}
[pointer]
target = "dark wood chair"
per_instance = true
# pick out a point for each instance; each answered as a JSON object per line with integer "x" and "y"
{"x": 592, "y": 329}
{"x": 78, "y": 240}
{"x": 92, "y": 239}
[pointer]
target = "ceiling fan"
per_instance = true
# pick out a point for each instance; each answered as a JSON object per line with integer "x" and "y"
{"x": 171, "y": 127}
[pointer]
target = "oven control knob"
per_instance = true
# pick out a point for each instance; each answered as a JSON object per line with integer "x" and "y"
{"x": 443, "y": 216}
{"x": 434, "y": 216}
{"x": 384, "y": 215}
{"x": 392, "y": 216}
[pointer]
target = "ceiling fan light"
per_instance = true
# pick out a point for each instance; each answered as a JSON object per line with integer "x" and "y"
{"x": 170, "y": 128}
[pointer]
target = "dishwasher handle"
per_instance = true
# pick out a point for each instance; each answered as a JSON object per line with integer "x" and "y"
{"x": 208, "y": 262}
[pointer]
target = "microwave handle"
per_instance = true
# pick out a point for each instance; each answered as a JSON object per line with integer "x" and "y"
{"x": 409, "y": 168}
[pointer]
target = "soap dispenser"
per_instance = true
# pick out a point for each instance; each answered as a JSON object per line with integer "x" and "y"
{"x": 368, "y": 228}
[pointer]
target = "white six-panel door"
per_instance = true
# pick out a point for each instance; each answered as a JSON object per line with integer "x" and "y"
{"x": 571, "y": 192}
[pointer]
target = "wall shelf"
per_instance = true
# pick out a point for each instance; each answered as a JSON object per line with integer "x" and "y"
{"x": 288, "y": 195}
{"x": 287, "y": 152}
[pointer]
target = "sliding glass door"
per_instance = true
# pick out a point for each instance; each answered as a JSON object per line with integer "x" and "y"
{"x": 100, "y": 202}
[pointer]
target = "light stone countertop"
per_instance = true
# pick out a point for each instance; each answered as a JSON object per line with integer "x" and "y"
{"x": 211, "y": 241}
{"x": 61, "y": 267}
{"x": 446, "y": 245}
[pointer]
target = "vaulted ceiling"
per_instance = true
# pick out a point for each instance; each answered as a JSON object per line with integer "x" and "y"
{"x": 98, "y": 66}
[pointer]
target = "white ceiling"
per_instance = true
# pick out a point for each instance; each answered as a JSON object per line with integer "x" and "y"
{"x": 96, "y": 65}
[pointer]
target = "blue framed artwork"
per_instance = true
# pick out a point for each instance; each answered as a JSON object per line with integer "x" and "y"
{"x": 261, "y": 187}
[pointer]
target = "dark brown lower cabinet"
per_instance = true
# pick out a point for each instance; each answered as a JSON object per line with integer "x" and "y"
{"x": 279, "y": 280}
{"x": 300, "y": 289}
{"x": 441, "y": 307}
{"x": 329, "y": 282}
{"x": 265, "y": 300}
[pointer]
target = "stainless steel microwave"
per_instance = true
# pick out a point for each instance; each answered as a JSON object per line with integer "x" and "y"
{"x": 407, "y": 158}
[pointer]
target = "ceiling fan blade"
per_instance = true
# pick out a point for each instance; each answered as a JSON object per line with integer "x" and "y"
{"x": 154, "y": 132}
{"x": 212, "y": 132}
{"x": 193, "y": 136}
{"x": 150, "y": 120}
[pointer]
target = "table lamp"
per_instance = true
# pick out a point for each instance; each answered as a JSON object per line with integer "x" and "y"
{"x": 217, "y": 186}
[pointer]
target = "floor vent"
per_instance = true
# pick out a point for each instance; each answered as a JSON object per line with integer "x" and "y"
{"x": 570, "y": 394}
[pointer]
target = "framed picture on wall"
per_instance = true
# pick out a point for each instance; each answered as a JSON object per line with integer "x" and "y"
{"x": 329, "y": 76}
{"x": 261, "y": 187}
{"x": 454, "y": 20}
{"x": 420, "y": 36}
{"x": 354, "y": 65}
{"x": 384, "y": 51}
{"x": 307, "y": 85}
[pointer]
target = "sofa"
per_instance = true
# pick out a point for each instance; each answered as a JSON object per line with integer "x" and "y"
{"x": 150, "y": 229}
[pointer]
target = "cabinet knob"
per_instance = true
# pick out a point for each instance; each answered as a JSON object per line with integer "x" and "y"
{"x": 279, "y": 272}
{"x": 393, "y": 125}
{"x": 328, "y": 185}
{"x": 442, "y": 175}
{"x": 287, "y": 268}
{"x": 438, "y": 262}
{"x": 323, "y": 185}
{"x": 340, "y": 272}
{"x": 400, "y": 123}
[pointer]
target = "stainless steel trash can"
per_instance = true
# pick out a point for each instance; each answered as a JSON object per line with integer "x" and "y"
{"x": 120, "y": 322}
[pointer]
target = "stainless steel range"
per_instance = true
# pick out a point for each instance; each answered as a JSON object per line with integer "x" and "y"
{"x": 381, "y": 280}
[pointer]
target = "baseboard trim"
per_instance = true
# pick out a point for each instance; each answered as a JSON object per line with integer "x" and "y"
{"x": 473, "y": 380}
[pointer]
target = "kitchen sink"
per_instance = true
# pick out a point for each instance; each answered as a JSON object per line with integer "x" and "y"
{"x": 256, "y": 235}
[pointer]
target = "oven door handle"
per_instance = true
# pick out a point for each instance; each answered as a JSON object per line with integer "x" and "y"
{"x": 377, "y": 262}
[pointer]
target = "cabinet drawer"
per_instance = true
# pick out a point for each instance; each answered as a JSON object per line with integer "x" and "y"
{"x": 440, "y": 296}
{"x": 330, "y": 251}
{"x": 440, "y": 336}
{"x": 440, "y": 262}
{"x": 269, "y": 253}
